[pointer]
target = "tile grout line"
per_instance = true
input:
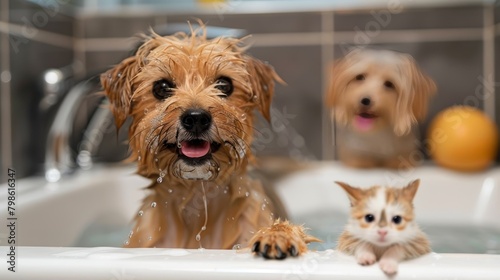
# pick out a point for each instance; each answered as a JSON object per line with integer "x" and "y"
{"x": 488, "y": 79}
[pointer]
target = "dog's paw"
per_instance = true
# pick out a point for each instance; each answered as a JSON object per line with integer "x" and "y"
{"x": 389, "y": 266}
{"x": 281, "y": 240}
{"x": 366, "y": 258}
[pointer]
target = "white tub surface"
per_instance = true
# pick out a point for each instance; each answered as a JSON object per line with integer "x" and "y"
{"x": 127, "y": 264}
{"x": 53, "y": 216}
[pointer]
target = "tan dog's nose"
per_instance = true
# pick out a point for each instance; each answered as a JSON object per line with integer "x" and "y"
{"x": 196, "y": 120}
{"x": 366, "y": 101}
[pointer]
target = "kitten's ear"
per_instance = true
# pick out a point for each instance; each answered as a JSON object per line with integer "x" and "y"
{"x": 354, "y": 194}
{"x": 410, "y": 190}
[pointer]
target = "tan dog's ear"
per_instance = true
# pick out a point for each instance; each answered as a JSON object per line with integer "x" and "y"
{"x": 338, "y": 80}
{"x": 414, "y": 98}
{"x": 117, "y": 84}
{"x": 262, "y": 77}
{"x": 423, "y": 88}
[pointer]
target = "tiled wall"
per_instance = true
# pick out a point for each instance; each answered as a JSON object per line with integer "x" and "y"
{"x": 448, "y": 42}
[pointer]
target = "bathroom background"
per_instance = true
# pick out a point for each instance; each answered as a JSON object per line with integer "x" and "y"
{"x": 455, "y": 42}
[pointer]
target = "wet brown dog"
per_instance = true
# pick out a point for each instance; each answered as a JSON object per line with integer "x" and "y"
{"x": 191, "y": 101}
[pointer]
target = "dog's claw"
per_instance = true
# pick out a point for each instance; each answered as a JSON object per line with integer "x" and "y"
{"x": 265, "y": 252}
{"x": 255, "y": 247}
{"x": 279, "y": 254}
{"x": 293, "y": 251}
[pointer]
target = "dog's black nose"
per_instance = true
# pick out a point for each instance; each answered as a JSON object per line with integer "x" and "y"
{"x": 196, "y": 120}
{"x": 365, "y": 101}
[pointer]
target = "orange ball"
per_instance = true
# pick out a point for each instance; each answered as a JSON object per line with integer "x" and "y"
{"x": 462, "y": 138}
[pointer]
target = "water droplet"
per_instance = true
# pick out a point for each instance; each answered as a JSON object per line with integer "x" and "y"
{"x": 179, "y": 145}
{"x": 203, "y": 228}
{"x": 243, "y": 117}
{"x": 198, "y": 237}
{"x": 170, "y": 190}
{"x": 247, "y": 194}
{"x": 153, "y": 204}
{"x": 156, "y": 159}
{"x": 146, "y": 111}
{"x": 225, "y": 191}
{"x": 255, "y": 97}
{"x": 159, "y": 180}
{"x": 263, "y": 207}
{"x": 150, "y": 238}
{"x": 130, "y": 234}
{"x": 232, "y": 218}
{"x": 139, "y": 158}
{"x": 237, "y": 247}
{"x": 140, "y": 213}
{"x": 166, "y": 202}
{"x": 126, "y": 242}
{"x": 119, "y": 74}
{"x": 218, "y": 168}
{"x": 162, "y": 174}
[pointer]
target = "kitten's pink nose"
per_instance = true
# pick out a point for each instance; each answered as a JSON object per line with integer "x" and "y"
{"x": 382, "y": 232}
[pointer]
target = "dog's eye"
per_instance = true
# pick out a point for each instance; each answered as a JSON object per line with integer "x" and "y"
{"x": 163, "y": 89}
{"x": 389, "y": 85}
{"x": 360, "y": 77}
{"x": 225, "y": 85}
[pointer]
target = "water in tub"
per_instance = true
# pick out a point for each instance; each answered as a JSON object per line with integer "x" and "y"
{"x": 327, "y": 226}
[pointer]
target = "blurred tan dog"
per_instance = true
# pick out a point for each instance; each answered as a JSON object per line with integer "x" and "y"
{"x": 377, "y": 97}
{"x": 191, "y": 101}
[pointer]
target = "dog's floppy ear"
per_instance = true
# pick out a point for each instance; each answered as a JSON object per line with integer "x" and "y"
{"x": 423, "y": 88}
{"x": 262, "y": 77}
{"x": 117, "y": 84}
{"x": 414, "y": 98}
{"x": 338, "y": 79}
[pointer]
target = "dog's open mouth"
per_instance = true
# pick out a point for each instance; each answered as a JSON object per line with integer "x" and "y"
{"x": 366, "y": 115}
{"x": 365, "y": 121}
{"x": 194, "y": 151}
{"x": 195, "y": 148}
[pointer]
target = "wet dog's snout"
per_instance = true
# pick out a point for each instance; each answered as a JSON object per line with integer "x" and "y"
{"x": 196, "y": 120}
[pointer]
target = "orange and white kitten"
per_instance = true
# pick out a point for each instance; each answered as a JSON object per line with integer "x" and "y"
{"x": 382, "y": 226}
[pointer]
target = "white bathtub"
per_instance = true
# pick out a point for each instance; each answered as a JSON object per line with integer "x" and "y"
{"x": 94, "y": 208}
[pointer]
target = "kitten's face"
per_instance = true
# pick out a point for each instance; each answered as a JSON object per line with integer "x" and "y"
{"x": 382, "y": 216}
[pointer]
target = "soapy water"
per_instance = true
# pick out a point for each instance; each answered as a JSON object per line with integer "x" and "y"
{"x": 328, "y": 226}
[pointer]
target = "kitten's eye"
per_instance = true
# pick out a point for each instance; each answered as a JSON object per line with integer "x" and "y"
{"x": 397, "y": 219}
{"x": 389, "y": 85}
{"x": 163, "y": 89}
{"x": 225, "y": 85}
{"x": 369, "y": 218}
{"x": 360, "y": 77}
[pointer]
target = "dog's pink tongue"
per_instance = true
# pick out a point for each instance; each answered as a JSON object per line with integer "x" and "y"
{"x": 195, "y": 150}
{"x": 363, "y": 124}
